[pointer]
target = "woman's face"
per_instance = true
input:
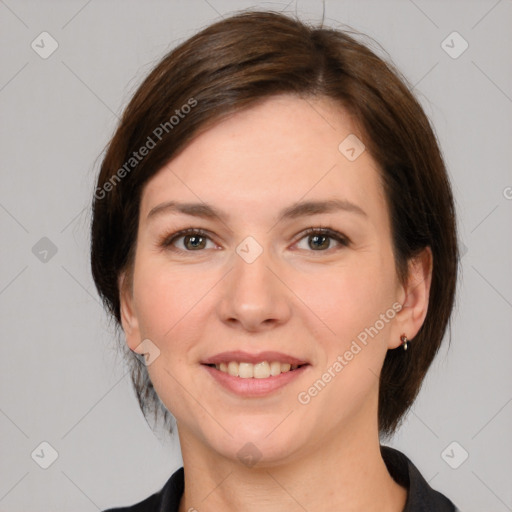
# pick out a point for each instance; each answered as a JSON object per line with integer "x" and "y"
{"x": 253, "y": 286}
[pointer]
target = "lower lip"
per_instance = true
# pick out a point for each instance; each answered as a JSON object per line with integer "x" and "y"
{"x": 254, "y": 387}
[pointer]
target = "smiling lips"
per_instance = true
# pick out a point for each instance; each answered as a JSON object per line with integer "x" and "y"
{"x": 257, "y": 366}
{"x": 262, "y": 370}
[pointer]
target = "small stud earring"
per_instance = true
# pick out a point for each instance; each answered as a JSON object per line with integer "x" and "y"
{"x": 404, "y": 340}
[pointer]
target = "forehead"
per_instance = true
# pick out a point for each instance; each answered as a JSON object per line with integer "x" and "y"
{"x": 281, "y": 151}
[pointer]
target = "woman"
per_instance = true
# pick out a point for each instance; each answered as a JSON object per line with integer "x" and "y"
{"x": 274, "y": 230}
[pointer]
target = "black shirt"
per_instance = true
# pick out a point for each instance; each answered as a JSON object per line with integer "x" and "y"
{"x": 420, "y": 496}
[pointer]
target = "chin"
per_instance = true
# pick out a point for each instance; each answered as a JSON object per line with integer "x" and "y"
{"x": 261, "y": 444}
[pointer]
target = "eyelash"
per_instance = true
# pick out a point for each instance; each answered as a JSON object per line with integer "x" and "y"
{"x": 168, "y": 240}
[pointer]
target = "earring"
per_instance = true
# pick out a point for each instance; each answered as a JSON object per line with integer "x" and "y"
{"x": 404, "y": 340}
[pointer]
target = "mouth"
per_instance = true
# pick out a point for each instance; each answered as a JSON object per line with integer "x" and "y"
{"x": 254, "y": 375}
{"x": 261, "y": 370}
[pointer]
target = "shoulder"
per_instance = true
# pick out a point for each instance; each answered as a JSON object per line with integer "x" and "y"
{"x": 421, "y": 497}
{"x": 167, "y": 499}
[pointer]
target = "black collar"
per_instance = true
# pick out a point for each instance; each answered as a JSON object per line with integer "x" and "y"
{"x": 420, "y": 496}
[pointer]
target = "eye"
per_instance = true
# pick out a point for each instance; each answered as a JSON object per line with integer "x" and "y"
{"x": 319, "y": 239}
{"x": 191, "y": 239}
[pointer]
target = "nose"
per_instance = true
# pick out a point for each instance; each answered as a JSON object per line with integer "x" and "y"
{"x": 254, "y": 297}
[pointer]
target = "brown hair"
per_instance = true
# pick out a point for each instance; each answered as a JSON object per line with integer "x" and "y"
{"x": 233, "y": 64}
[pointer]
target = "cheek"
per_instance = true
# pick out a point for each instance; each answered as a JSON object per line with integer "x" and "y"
{"x": 162, "y": 297}
{"x": 168, "y": 302}
{"x": 351, "y": 335}
{"x": 171, "y": 303}
{"x": 347, "y": 300}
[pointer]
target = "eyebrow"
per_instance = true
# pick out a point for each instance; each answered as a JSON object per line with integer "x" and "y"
{"x": 294, "y": 211}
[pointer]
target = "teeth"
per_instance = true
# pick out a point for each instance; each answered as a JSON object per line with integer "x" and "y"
{"x": 233, "y": 368}
{"x": 275, "y": 368}
{"x": 245, "y": 370}
{"x": 262, "y": 370}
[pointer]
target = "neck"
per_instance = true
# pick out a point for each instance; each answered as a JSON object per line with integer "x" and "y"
{"x": 349, "y": 475}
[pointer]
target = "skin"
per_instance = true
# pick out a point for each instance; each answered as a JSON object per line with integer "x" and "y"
{"x": 295, "y": 298}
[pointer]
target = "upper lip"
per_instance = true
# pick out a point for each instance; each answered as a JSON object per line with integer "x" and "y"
{"x": 245, "y": 357}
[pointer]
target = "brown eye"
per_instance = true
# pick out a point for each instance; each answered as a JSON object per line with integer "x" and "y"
{"x": 194, "y": 242}
{"x": 187, "y": 240}
{"x": 319, "y": 242}
{"x": 320, "y": 239}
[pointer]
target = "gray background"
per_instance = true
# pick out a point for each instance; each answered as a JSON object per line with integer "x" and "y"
{"x": 60, "y": 378}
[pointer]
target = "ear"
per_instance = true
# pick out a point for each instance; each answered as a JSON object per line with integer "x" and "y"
{"x": 414, "y": 297}
{"x": 128, "y": 315}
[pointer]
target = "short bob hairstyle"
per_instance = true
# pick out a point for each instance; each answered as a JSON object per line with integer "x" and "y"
{"x": 232, "y": 65}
